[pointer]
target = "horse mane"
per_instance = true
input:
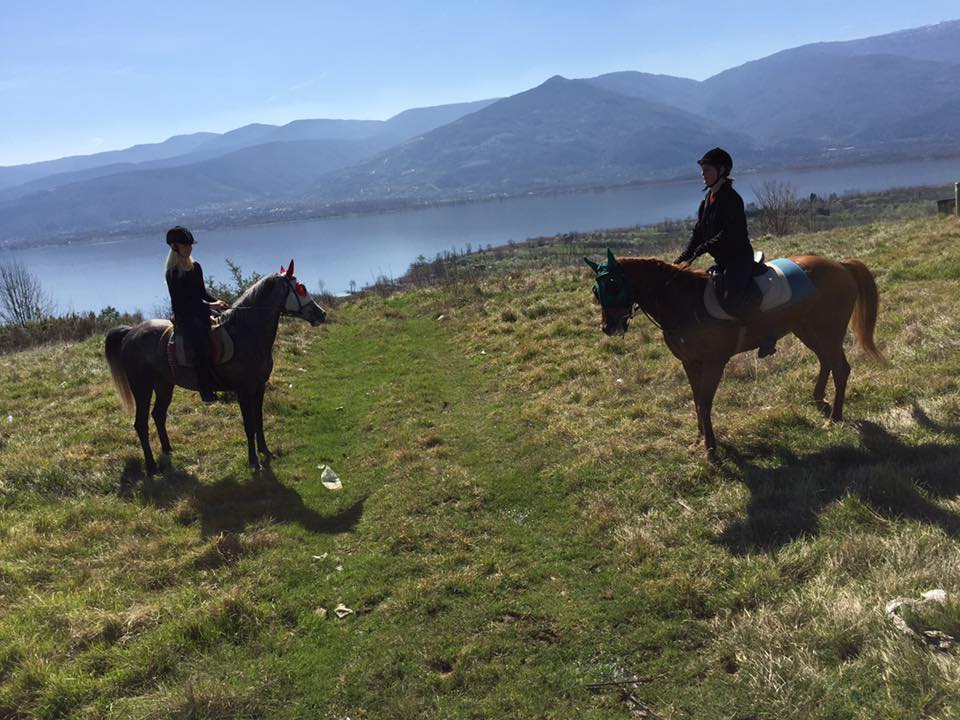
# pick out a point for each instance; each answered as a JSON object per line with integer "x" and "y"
{"x": 255, "y": 298}
{"x": 251, "y": 297}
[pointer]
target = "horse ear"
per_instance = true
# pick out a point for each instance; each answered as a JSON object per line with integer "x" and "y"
{"x": 592, "y": 264}
{"x": 611, "y": 260}
{"x": 290, "y": 269}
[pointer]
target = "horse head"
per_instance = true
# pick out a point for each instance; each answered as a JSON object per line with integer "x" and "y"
{"x": 614, "y": 293}
{"x": 298, "y": 302}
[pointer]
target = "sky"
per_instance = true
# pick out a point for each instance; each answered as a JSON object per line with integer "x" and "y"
{"x": 83, "y": 77}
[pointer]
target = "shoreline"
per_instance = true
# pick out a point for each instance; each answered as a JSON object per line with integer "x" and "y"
{"x": 384, "y": 207}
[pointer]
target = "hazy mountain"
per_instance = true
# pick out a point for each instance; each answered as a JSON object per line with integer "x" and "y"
{"x": 250, "y": 175}
{"x": 411, "y": 123}
{"x": 680, "y": 92}
{"x": 177, "y": 145}
{"x": 940, "y": 43}
{"x": 20, "y": 180}
{"x": 819, "y": 97}
{"x": 563, "y": 133}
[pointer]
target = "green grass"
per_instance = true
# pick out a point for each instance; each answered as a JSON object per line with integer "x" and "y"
{"x": 526, "y": 515}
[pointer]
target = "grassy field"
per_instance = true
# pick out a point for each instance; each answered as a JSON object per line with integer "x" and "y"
{"x": 527, "y": 526}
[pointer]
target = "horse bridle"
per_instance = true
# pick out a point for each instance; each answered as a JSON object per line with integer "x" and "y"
{"x": 300, "y": 304}
{"x": 632, "y": 307}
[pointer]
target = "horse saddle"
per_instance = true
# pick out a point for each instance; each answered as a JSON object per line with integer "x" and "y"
{"x": 782, "y": 283}
{"x": 221, "y": 347}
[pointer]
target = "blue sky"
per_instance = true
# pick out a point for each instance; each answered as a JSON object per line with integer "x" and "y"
{"x": 83, "y": 77}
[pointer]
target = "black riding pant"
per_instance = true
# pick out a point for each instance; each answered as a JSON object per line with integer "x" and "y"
{"x": 736, "y": 290}
{"x": 196, "y": 331}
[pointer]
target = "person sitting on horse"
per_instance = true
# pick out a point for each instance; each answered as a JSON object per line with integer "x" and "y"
{"x": 192, "y": 304}
{"x": 721, "y": 231}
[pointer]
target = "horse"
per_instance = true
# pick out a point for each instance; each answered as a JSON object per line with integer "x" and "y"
{"x": 140, "y": 365}
{"x": 672, "y": 296}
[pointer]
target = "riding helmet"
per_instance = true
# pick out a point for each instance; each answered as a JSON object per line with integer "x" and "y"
{"x": 180, "y": 235}
{"x": 718, "y": 157}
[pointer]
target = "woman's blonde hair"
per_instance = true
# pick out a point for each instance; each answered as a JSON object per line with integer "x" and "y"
{"x": 173, "y": 262}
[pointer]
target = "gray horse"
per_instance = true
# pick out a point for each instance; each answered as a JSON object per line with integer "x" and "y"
{"x": 139, "y": 362}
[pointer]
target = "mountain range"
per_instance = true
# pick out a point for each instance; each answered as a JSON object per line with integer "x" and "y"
{"x": 894, "y": 96}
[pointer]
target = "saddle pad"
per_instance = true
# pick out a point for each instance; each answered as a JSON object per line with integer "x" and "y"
{"x": 783, "y": 283}
{"x": 219, "y": 339}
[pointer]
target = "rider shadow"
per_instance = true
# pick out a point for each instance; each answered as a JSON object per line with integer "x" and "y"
{"x": 891, "y": 479}
{"x": 230, "y": 505}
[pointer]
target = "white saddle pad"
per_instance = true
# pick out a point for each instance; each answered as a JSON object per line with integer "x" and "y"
{"x": 773, "y": 284}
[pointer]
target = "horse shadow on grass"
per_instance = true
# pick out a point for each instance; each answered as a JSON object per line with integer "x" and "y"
{"x": 231, "y": 505}
{"x": 893, "y": 479}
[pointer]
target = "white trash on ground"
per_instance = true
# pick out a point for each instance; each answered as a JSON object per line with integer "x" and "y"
{"x": 934, "y": 639}
{"x": 330, "y": 480}
{"x": 341, "y": 611}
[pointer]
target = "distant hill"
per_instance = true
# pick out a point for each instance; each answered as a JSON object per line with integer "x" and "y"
{"x": 816, "y": 96}
{"x": 177, "y": 145}
{"x": 20, "y": 180}
{"x": 250, "y": 175}
{"x": 680, "y": 92}
{"x": 563, "y": 133}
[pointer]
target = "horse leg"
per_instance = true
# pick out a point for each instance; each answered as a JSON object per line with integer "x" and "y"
{"x": 693, "y": 370}
{"x": 141, "y": 395}
{"x": 164, "y": 393}
{"x": 247, "y": 401}
{"x": 709, "y": 381}
{"x": 261, "y": 440}
{"x": 826, "y": 351}
{"x": 841, "y": 371}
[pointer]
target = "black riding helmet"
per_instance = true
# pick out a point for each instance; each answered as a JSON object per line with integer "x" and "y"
{"x": 180, "y": 235}
{"x": 719, "y": 158}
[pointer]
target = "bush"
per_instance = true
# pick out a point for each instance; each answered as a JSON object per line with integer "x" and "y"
{"x": 68, "y": 328}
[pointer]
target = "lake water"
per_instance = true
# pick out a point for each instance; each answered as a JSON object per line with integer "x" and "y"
{"x": 128, "y": 273}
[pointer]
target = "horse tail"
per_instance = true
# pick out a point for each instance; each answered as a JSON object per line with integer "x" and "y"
{"x": 112, "y": 351}
{"x": 865, "y": 311}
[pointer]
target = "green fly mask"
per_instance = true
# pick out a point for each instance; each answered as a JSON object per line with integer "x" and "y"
{"x": 611, "y": 287}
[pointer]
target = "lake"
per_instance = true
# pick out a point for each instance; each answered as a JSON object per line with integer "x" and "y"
{"x": 127, "y": 273}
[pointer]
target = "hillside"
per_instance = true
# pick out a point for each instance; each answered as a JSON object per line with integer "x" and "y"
{"x": 527, "y": 526}
{"x": 562, "y": 133}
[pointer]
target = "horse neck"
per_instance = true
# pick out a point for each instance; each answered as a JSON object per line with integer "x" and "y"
{"x": 665, "y": 292}
{"x": 257, "y": 311}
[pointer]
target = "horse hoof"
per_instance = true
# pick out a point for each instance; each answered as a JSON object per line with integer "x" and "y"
{"x": 824, "y": 408}
{"x": 152, "y": 468}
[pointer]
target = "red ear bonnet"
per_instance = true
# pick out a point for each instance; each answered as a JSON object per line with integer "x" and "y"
{"x": 290, "y": 269}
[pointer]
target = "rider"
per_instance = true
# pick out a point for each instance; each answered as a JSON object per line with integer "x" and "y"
{"x": 721, "y": 230}
{"x": 192, "y": 304}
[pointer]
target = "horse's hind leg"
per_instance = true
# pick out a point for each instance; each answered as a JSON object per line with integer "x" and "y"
{"x": 820, "y": 388}
{"x": 247, "y": 401}
{"x": 164, "y": 393}
{"x": 141, "y": 395}
{"x": 829, "y": 351}
{"x": 261, "y": 440}
{"x": 841, "y": 371}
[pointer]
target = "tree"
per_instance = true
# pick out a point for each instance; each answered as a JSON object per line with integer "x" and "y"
{"x": 779, "y": 207}
{"x": 22, "y": 299}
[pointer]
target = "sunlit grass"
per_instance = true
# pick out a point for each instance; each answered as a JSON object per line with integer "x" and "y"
{"x": 526, "y": 513}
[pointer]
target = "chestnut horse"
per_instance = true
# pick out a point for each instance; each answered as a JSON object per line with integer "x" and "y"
{"x": 140, "y": 367}
{"x": 672, "y": 297}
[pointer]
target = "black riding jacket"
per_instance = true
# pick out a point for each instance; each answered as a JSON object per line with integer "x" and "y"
{"x": 189, "y": 295}
{"x": 721, "y": 229}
